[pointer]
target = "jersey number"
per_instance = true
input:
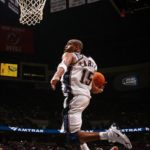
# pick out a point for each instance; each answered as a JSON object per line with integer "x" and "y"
{"x": 86, "y": 77}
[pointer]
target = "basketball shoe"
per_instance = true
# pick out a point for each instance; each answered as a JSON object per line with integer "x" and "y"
{"x": 115, "y": 135}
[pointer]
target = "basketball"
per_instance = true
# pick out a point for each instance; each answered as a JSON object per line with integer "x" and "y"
{"x": 99, "y": 79}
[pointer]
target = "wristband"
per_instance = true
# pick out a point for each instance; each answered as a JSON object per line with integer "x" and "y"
{"x": 62, "y": 65}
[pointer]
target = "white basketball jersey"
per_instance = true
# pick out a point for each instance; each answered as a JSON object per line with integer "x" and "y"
{"x": 77, "y": 80}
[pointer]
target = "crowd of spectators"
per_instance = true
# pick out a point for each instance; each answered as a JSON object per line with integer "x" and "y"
{"x": 3, "y": 147}
{"x": 41, "y": 104}
{"x": 94, "y": 115}
{"x": 8, "y": 117}
{"x": 19, "y": 106}
{"x": 141, "y": 145}
{"x": 24, "y": 145}
{"x": 130, "y": 115}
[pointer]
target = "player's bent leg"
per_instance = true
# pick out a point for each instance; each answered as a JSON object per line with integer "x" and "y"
{"x": 88, "y": 136}
{"x": 72, "y": 138}
{"x": 115, "y": 135}
{"x": 112, "y": 135}
{"x": 82, "y": 137}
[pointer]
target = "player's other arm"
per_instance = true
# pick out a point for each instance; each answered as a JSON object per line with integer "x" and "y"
{"x": 61, "y": 69}
{"x": 96, "y": 90}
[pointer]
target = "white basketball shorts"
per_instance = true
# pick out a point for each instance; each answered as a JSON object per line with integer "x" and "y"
{"x": 72, "y": 113}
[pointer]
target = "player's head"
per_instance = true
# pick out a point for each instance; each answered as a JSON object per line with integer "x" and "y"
{"x": 74, "y": 45}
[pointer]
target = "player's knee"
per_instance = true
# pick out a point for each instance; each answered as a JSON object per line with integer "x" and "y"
{"x": 72, "y": 138}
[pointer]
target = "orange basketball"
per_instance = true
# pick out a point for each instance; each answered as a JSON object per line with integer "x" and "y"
{"x": 99, "y": 79}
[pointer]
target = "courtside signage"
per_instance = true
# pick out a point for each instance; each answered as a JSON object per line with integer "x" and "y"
{"x": 26, "y": 130}
{"x": 16, "y": 129}
{"x": 133, "y": 130}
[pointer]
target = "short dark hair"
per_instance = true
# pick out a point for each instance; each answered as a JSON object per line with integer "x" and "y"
{"x": 79, "y": 43}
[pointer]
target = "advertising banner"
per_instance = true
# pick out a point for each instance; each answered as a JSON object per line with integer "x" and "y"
{"x": 10, "y": 70}
{"x": 16, "y": 39}
{"x": 57, "y": 5}
{"x": 14, "y": 6}
{"x": 91, "y": 1}
{"x": 17, "y": 129}
{"x": 130, "y": 80}
{"x": 74, "y": 3}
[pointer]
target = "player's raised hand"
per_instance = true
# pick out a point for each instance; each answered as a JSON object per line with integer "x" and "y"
{"x": 54, "y": 81}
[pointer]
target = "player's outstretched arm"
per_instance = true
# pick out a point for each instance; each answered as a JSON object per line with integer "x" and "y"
{"x": 61, "y": 69}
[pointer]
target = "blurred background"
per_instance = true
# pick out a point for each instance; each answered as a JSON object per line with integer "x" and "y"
{"x": 115, "y": 33}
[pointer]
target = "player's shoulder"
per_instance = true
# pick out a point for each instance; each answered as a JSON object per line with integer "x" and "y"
{"x": 78, "y": 55}
{"x": 93, "y": 61}
{"x": 90, "y": 58}
{"x": 67, "y": 54}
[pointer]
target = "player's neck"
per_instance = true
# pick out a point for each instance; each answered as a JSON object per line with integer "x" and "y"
{"x": 78, "y": 52}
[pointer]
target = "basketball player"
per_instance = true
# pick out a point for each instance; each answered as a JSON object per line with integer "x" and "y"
{"x": 76, "y": 72}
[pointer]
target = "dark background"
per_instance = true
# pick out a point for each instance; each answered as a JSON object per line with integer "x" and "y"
{"x": 110, "y": 39}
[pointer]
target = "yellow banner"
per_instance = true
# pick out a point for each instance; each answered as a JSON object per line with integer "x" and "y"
{"x": 8, "y": 69}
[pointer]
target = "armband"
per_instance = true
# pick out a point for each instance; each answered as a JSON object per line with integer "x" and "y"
{"x": 62, "y": 65}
